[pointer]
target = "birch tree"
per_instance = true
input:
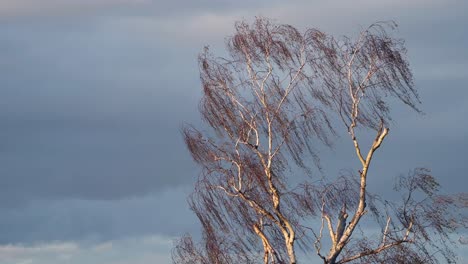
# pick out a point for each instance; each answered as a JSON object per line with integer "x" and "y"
{"x": 276, "y": 99}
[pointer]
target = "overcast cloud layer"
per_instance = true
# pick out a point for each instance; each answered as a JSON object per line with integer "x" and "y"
{"x": 93, "y": 95}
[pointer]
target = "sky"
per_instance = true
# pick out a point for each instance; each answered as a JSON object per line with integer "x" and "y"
{"x": 93, "y": 94}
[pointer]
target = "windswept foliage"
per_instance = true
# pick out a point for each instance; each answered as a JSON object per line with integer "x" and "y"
{"x": 271, "y": 103}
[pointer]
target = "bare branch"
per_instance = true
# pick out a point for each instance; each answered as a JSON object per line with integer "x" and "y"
{"x": 269, "y": 104}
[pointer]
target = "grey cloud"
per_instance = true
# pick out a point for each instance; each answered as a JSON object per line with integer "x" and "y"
{"x": 138, "y": 250}
{"x": 91, "y": 104}
{"x": 90, "y": 160}
{"x": 27, "y": 9}
{"x": 86, "y": 220}
{"x": 91, "y": 114}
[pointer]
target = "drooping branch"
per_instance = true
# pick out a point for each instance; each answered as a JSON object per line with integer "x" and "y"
{"x": 269, "y": 104}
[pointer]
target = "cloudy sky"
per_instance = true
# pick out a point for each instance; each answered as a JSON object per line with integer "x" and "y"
{"x": 93, "y": 94}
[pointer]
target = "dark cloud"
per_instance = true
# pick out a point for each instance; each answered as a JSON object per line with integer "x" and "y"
{"x": 165, "y": 214}
{"x": 90, "y": 160}
{"x": 91, "y": 114}
{"x": 92, "y": 97}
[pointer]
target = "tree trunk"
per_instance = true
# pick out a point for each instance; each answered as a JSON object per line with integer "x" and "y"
{"x": 291, "y": 253}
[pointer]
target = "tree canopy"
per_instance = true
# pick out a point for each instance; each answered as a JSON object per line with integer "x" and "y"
{"x": 270, "y": 104}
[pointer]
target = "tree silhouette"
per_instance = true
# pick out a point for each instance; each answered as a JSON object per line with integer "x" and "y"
{"x": 277, "y": 97}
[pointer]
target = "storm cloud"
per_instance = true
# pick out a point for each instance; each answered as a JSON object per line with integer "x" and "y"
{"x": 93, "y": 95}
